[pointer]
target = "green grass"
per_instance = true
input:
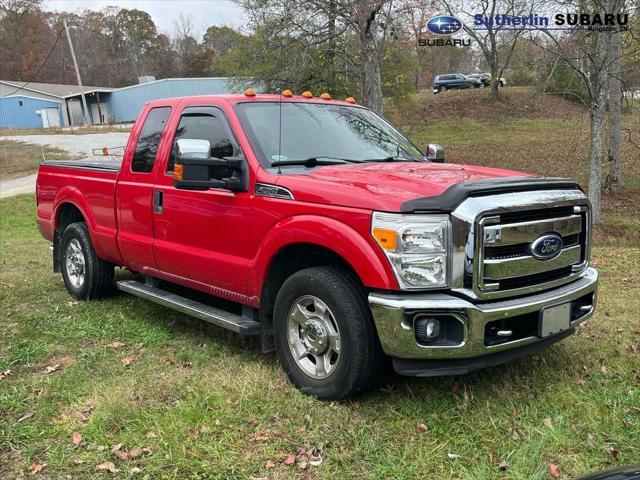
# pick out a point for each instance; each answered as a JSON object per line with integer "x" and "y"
{"x": 197, "y": 395}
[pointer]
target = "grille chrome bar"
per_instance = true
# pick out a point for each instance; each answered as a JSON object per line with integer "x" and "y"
{"x": 526, "y": 232}
{"x": 500, "y": 269}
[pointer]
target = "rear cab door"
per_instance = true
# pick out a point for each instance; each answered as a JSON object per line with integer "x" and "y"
{"x": 134, "y": 191}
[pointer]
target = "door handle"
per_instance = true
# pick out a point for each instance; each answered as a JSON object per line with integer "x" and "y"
{"x": 157, "y": 201}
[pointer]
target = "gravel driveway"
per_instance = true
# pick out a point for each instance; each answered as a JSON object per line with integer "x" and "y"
{"x": 77, "y": 145}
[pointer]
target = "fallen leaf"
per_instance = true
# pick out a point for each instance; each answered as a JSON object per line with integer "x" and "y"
{"x": 52, "y": 368}
{"x": 547, "y": 422}
{"x": 260, "y": 437}
{"x": 290, "y": 459}
{"x": 315, "y": 460}
{"x": 580, "y": 381}
{"x": 24, "y": 417}
{"x": 137, "y": 451}
{"x": 36, "y": 468}
{"x": 121, "y": 455}
{"x": 515, "y": 436}
{"x": 421, "y": 427}
{"x": 78, "y": 461}
{"x": 604, "y": 369}
{"x": 107, "y": 466}
{"x": 151, "y": 435}
{"x": 5, "y": 374}
{"x": 612, "y": 451}
{"x": 554, "y": 470}
{"x": 115, "y": 345}
{"x": 192, "y": 432}
{"x": 504, "y": 466}
{"x": 187, "y": 364}
{"x": 269, "y": 464}
{"x": 168, "y": 362}
{"x": 135, "y": 470}
{"x": 453, "y": 455}
{"x": 116, "y": 447}
{"x": 76, "y": 438}
{"x": 126, "y": 361}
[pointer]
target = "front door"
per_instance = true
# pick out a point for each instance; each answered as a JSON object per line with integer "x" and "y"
{"x": 202, "y": 235}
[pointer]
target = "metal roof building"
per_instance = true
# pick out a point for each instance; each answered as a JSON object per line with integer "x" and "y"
{"x": 42, "y": 105}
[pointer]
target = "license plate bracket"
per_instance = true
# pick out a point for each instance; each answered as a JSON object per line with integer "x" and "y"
{"x": 554, "y": 320}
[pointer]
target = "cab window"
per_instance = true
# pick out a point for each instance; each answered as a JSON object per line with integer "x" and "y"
{"x": 144, "y": 155}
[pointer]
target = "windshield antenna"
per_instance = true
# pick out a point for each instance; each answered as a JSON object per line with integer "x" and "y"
{"x": 280, "y": 118}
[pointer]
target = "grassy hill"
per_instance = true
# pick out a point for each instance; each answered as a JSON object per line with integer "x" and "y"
{"x": 525, "y": 131}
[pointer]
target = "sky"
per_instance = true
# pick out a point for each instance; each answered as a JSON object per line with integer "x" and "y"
{"x": 202, "y": 12}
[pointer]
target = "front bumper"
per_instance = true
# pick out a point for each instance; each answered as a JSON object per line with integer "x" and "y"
{"x": 394, "y": 316}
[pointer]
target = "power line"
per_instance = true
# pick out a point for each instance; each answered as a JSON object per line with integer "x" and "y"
{"x": 39, "y": 68}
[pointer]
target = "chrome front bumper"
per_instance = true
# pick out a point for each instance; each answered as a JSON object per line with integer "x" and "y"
{"x": 394, "y": 318}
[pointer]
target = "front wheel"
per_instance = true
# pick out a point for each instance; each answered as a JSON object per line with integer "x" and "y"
{"x": 85, "y": 275}
{"x": 324, "y": 334}
{"x": 443, "y": 89}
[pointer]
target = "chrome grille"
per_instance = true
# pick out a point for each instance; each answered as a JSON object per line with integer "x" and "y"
{"x": 504, "y": 260}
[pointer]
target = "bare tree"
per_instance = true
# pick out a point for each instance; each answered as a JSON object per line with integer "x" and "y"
{"x": 613, "y": 180}
{"x": 495, "y": 39}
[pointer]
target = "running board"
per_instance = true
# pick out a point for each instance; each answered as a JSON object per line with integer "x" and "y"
{"x": 217, "y": 316}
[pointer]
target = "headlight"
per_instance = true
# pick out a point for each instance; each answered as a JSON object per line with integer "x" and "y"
{"x": 416, "y": 246}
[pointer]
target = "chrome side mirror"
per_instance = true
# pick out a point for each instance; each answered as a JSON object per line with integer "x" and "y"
{"x": 435, "y": 153}
{"x": 193, "y": 148}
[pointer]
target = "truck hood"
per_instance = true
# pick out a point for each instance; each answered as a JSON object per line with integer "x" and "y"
{"x": 383, "y": 186}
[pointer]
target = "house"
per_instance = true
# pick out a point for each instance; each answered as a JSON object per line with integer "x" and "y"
{"x": 49, "y": 105}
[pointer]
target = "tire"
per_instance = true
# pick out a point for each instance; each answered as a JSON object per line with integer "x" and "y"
{"x": 85, "y": 275}
{"x": 483, "y": 85}
{"x": 356, "y": 365}
{"x": 443, "y": 89}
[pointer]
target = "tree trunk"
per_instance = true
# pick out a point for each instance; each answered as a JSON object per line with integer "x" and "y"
{"x": 372, "y": 88}
{"x": 331, "y": 51}
{"x": 597, "y": 114}
{"x": 495, "y": 81}
{"x": 614, "y": 175}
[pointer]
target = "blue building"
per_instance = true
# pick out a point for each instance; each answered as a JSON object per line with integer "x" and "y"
{"x": 44, "y": 105}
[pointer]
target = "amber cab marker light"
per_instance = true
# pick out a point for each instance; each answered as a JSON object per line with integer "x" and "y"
{"x": 178, "y": 170}
{"x": 307, "y": 94}
{"x": 287, "y": 93}
{"x": 350, "y": 100}
{"x": 250, "y": 92}
{"x": 325, "y": 96}
{"x": 387, "y": 239}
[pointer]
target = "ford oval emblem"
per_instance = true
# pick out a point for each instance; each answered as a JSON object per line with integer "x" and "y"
{"x": 547, "y": 246}
{"x": 444, "y": 25}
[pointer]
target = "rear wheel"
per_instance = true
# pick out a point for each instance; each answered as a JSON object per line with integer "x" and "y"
{"x": 85, "y": 275}
{"x": 443, "y": 89}
{"x": 324, "y": 334}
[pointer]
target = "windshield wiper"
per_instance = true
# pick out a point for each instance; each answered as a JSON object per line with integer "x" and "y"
{"x": 314, "y": 161}
{"x": 391, "y": 159}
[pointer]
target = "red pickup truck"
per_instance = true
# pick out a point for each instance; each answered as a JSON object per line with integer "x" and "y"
{"x": 316, "y": 225}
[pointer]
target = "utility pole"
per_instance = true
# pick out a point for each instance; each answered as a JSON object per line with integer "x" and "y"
{"x": 75, "y": 64}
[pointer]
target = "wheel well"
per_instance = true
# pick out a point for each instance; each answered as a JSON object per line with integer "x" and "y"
{"x": 292, "y": 259}
{"x": 68, "y": 214}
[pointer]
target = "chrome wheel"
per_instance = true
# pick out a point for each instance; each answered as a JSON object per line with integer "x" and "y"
{"x": 313, "y": 337}
{"x": 75, "y": 263}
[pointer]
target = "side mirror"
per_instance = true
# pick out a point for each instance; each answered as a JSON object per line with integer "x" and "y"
{"x": 195, "y": 169}
{"x": 435, "y": 153}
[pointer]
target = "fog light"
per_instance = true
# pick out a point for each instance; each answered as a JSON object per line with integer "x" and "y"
{"x": 427, "y": 329}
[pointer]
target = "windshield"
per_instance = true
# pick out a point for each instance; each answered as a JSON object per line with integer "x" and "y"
{"x": 313, "y": 130}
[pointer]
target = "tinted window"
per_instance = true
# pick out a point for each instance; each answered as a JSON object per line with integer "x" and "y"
{"x": 149, "y": 139}
{"x": 204, "y": 123}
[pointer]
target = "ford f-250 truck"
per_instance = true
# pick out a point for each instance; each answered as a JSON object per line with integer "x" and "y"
{"x": 328, "y": 234}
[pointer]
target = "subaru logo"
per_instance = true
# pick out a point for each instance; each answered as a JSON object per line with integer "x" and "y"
{"x": 547, "y": 246}
{"x": 444, "y": 25}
